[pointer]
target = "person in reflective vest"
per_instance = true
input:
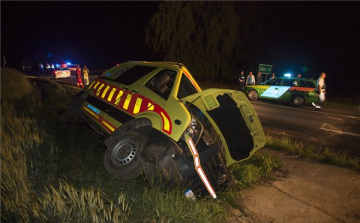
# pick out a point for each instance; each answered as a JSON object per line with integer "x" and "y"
{"x": 78, "y": 73}
{"x": 86, "y": 75}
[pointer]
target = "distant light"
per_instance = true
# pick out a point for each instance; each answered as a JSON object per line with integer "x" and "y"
{"x": 68, "y": 63}
{"x": 287, "y": 75}
{"x": 304, "y": 69}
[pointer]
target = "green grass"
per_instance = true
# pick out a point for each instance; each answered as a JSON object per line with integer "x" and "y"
{"x": 342, "y": 102}
{"x": 259, "y": 167}
{"x": 325, "y": 155}
{"x": 53, "y": 172}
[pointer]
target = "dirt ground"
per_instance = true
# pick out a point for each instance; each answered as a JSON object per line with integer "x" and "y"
{"x": 303, "y": 191}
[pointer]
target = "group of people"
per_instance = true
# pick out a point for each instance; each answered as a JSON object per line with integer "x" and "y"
{"x": 85, "y": 72}
{"x": 48, "y": 68}
{"x": 251, "y": 80}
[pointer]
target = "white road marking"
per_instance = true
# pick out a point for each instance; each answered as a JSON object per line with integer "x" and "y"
{"x": 339, "y": 131}
{"x": 347, "y": 116}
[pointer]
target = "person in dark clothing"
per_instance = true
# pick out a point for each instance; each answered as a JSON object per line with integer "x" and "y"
{"x": 241, "y": 80}
{"x": 259, "y": 79}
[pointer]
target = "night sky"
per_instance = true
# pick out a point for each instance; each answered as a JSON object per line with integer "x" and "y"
{"x": 300, "y": 37}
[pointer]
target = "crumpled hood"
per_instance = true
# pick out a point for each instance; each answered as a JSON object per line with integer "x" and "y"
{"x": 235, "y": 120}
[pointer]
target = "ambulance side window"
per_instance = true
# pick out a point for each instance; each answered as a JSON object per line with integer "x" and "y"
{"x": 186, "y": 88}
{"x": 169, "y": 85}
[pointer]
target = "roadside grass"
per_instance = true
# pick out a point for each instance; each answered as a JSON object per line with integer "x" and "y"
{"x": 259, "y": 167}
{"x": 342, "y": 102}
{"x": 325, "y": 155}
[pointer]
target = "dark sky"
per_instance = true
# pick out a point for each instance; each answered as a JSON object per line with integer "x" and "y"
{"x": 300, "y": 37}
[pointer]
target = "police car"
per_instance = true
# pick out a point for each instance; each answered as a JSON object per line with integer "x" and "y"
{"x": 158, "y": 121}
{"x": 297, "y": 91}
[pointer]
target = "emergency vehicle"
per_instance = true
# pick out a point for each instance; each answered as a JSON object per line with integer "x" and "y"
{"x": 158, "y": 121}
{"x": 297, "y": 91}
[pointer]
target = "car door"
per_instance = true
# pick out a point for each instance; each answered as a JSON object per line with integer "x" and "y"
{"x": 286, "y": 84}
{"x": 272, "y": 91}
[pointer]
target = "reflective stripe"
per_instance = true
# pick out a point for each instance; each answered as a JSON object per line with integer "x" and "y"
{"x": 108, "y": 126}
{"x": 105, "y": 91}
{"x": 92, "y": 84}
{"x": 98, "y": 91}
{"x": 97, "y": 83}
{"x": 199, "y": 169}
{"x": 192, "y": 147}
{"x": 166, "y": 122}
{"x": 197, "y": 161}
{"x": 111, "y": 94}
{"x": 150, "y": 107}
{"x": 127, "y": 101}
{"x": 91, "y": 112}
{"x": 206, "y": 182}
{"x": 131, "y": 105}
{"x": 137, "y": 105}
{"x": 118, "y": 97}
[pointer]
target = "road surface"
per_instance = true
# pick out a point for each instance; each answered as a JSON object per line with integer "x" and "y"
{"x": 333, "y": 128}
{"x": 303, "y": 191}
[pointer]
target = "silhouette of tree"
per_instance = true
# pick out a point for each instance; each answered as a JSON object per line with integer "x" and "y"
{"x": 211, "y": 38}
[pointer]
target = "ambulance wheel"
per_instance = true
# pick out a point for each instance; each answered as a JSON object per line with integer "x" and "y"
{"x": 122, "y": 158}
{"x": 252, "y": 95}
{"x": 73, "y": 112}
{"x": 298, "y": 101}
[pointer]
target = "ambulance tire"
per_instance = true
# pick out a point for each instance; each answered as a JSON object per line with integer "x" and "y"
{"x": 298, "y": 100}
{"x": 122, "y": 159}
{"x": 73, "y": 112}
{"x": 252, "y": 95}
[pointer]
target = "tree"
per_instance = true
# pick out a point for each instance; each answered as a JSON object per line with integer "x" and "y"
{"x": 209, "y": 37}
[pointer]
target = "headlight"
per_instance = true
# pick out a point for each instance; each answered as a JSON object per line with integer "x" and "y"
{"x": 194, "y": 130}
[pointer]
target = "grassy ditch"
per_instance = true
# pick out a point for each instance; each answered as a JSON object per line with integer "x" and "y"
{"x": 325, "y": 155}
{"x": 53, "y": 172}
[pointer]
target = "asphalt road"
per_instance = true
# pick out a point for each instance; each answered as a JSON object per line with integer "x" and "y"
{"x": 337, "y": 129}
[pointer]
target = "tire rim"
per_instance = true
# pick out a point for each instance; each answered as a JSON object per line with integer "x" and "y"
{"x": 298, "y": 101}
{"x": 252, "y": 95}
{"x": 124, "y": 152}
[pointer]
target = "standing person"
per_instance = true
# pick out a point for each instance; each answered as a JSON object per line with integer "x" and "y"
{"x": 79, "y": 81}
{"x": 42, "y": 68}
{"x": 259, "y": 79}
{"x": 47, "y": 67}
{"x": 39, "y": 66}
{"x": 321, "y": 90}
{"x": 299, "y": 76}
{"x": 272, "y": 76}
{"x": 242, "y": 80}
{"x": 86, "y": 75}
{"x": 250, "y": 80}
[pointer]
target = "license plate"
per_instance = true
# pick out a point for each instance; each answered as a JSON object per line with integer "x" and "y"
{"x": 189, "y": 194}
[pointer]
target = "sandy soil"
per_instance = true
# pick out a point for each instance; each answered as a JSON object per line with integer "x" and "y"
{"x": 303, "y": 191}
